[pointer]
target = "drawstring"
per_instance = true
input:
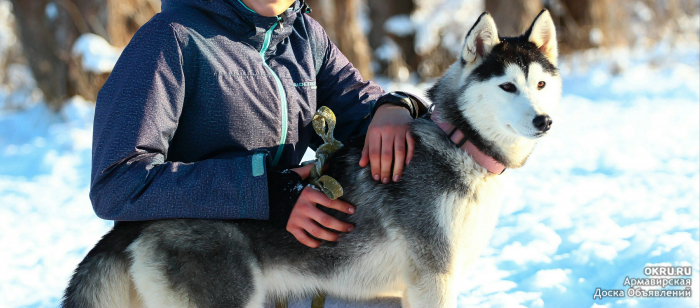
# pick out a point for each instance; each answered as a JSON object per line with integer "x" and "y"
{"x": 305, "y": 8}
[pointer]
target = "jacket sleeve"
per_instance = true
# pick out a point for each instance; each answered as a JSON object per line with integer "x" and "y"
{"x": 136, "y": 116}
{"x": 340, "y": 87}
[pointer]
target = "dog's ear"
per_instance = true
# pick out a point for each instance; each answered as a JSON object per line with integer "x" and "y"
{"x": 543, "y": 34}
{"x": 480, "y": 39}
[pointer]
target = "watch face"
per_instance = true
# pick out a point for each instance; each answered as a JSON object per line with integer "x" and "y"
{"x": 400, "y": 95}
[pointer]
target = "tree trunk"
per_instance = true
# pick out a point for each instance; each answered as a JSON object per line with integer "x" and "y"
{"x": 406, "y": 60}
{"x": 513, "y": 17}
{"x": 340, "y": 20}
{"x": 125, "y": 17}
{"x": 44, "y": 33}
{"x": 591, "y": 23}
{"x": 48, "y": 30}
{"x": 580, "y": 24}
{"x": 350, "y": 38}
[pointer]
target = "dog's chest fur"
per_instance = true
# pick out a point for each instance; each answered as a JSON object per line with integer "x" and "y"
{"x": 459, "y": 206}
{"x": 464, "y": 218}
{"x": 469, "y": 219}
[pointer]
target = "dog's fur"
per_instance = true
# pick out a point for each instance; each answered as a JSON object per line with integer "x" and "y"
{"x": 412, "y": 238}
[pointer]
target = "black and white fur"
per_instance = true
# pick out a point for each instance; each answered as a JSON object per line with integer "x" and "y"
{"x": 412, "y": 238}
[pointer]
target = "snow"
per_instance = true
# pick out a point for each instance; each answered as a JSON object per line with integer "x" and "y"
{"x": 97, "y": 55}
{"x": 399, "y": 25}
{"x": 51, "y": 11}
{"x": 388, "y": 50}
{"x": 46, "y": 221}
{"x": 443, "y": 22}
{"x": 7, "y": 36}
{"x": 615, "y": 188}
{"x": 19, "y": 90}
{"x": 552, "y": 278}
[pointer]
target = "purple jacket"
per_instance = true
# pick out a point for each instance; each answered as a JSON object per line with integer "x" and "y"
{"x": 207, "y": 96}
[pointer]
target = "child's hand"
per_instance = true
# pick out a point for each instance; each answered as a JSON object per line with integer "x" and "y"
{"x": 388, "y": 139}
{"x": 307, "y": 218}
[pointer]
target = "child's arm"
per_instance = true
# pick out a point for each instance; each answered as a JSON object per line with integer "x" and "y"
{"x": 136, "y": 116}
{"x": 341, "y": 88}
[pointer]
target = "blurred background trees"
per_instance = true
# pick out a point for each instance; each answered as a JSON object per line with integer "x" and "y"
{"x": 402, "y": 40}
{"x": 48, "y": 30}
{"x": 341, "y": 19}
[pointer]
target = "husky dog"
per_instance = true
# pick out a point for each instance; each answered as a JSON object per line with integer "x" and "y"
{"x": 412, "y": 238}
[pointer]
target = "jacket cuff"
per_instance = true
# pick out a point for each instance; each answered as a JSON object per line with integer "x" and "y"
{"x": 284, "y": 188}
{"x": 416, "y": 107}
{"x": 420, "y": 107}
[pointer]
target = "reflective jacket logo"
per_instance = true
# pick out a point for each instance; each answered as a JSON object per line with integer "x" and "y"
{"x": 305, "y": 84}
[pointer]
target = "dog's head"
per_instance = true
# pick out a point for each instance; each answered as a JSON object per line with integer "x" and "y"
{"x": 503, "y": 91}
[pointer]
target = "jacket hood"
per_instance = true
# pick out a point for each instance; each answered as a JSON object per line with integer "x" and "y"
{"x": 240, "y": 19}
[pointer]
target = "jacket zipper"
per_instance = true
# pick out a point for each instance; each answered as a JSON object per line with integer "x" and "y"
{"x": 280, "y": 90}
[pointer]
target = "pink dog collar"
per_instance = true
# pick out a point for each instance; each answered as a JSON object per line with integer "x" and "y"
{"x": 458, "y": 137}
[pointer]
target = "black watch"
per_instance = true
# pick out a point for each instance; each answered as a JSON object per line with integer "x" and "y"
{"x": 414, "y": 106}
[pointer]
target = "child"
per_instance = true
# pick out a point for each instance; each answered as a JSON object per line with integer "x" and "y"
{"x": 212, "y": 99}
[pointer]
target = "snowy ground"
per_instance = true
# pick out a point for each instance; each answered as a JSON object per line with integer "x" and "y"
{"x": 614, "y": 188}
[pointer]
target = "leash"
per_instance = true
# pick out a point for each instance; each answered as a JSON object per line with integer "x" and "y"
{"x": 323, "y": 118}
{"x": 324, "y": 124}
{"x": 319, "y": 301}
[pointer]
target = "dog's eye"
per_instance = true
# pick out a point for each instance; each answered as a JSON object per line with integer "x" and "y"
{"x": 540, "y": 85}
{"x": 508, "y": 87}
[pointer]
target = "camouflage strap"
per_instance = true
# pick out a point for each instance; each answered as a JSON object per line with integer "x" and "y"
{"x": 319, "y": 301}
{"x": 323, "y": 118}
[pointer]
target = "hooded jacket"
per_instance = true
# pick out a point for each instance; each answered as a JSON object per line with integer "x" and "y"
{"x": 209, "y": 95}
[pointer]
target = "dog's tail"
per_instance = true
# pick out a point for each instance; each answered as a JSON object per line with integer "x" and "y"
{"x": 102, "y": 279}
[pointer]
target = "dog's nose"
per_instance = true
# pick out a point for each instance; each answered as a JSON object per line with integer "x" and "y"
{"x": 542, "y": 122}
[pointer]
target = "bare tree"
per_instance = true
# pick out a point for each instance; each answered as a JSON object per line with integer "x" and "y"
{"x": 48, "y": 30}
{"x": 126, "y": 17}
{"x": 47, "y": 34}
{"x": 513, "y": 17}
{"x": 580, "y": 23}
{"x": 591, "y": 23}
{"x": 350, "y": 38}
{"x": 379, "y": 12}
{"x": 340, "y": 20}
